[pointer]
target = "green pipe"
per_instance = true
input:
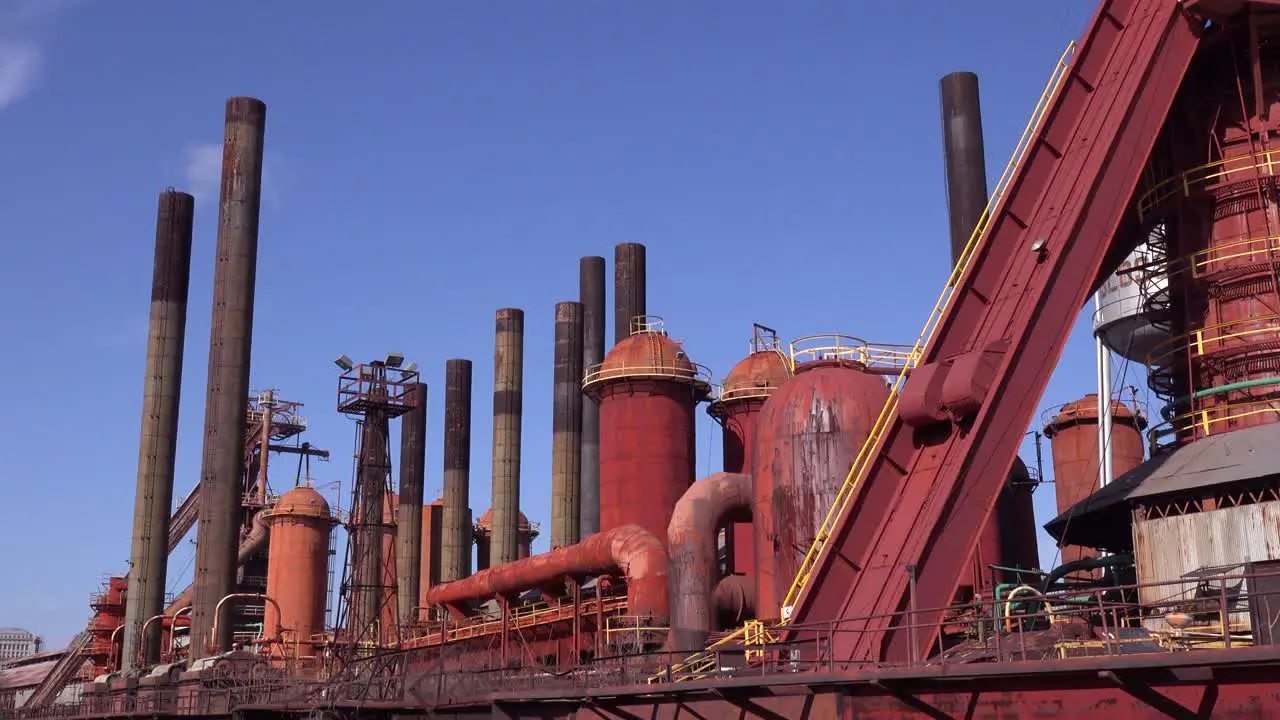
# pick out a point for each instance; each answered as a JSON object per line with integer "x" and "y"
{"x": 1168, "y": 411}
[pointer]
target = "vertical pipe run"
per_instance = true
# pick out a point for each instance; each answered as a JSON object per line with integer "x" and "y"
{"x": 455, "y": 556}
{"x": 566, "y": 426}
{"x": 413, "y": 458}
{"x": 629, "y": 288}
{"x": 227, "y": 399}
{"x": 966, "y": 174}
{"x": 591, "y": 295}
{"x": 508, "y": 394}
{"x": 1104, "y": 411}
{"x": 166, "y": 332}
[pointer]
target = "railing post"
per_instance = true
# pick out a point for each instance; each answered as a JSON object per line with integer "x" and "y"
{"x": 911, "y": 613}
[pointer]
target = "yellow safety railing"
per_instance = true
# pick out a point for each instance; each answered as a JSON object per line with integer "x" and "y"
{"x": 854, "y": 349}
{"x": 1213, "y": 337}
{"x": 1184, "y": 181}
{"x": 1208, "y": 420}
{"x": 697, "y": 665}
{"x": 694, "y": 373}
{"x": 862, "y": 462}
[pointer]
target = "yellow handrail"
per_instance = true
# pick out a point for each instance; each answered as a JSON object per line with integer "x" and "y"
{"x": 1197, "y": 340}
{"x": 848, "y": 347}
{"x": 698, "y": 664}
{"x": 862, "y": 462}
{"x": 1182, "y": 182}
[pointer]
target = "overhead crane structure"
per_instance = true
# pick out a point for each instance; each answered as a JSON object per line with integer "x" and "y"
{"x": 923, "y": 487}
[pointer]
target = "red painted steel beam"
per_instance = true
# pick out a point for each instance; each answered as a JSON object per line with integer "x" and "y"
{"x": 930, "y": 489}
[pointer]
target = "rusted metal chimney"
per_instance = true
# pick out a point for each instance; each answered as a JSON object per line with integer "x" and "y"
{"x": 591, "y": 295}
{"x": 455, "y": 555}
{"x": 566, "y": 427}
{"x": 161, "y": 389}
{"x": 413, "y": 458}
{"x": 628, "y": 288}
{"x": 227, "y": 399}
{"x": 508, "y": 394}
{"x": 966, "y": 169}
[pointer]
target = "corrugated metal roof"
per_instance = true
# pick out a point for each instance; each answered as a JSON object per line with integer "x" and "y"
{"x": 16, "y": 678}
{"x": 1102, "y": 519}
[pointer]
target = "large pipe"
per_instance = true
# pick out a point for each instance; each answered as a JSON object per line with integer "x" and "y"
{"x": 734, "y": 600}
{"x": 413, "y": 459}
{"x": 508, "y": 394}
{"x": 227, "y": 399}
{"x": 566, "y": 426}
{"x": 628, "y": 549}
{"x": 161, "y": 390}
{"x": 455, "y": 553}
{"x": 966, "y": 170}
{"x": 591, "y": 295}
{"x": 691, "y": 539}
{"x": 628, "y": 288}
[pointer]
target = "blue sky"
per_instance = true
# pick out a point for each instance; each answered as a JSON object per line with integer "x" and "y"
{"x": 782, "y": 161}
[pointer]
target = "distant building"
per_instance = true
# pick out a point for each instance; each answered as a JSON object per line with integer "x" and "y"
{"x": 16, "y": 643}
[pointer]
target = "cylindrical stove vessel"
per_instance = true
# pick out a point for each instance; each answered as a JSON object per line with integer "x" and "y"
{"x": 298, "y": 571}
{"x": 1073, "y": 437}
{"x": 158, "y": 442}
{"x": 742, "y": 397}
{"x": 508, "y": 395}
{"x": 628, "y": 289}
{"x": 227, "y": 400}
{"x": 566, "y": 426}
{"x": 455, "y": 534}
{"x": 591, "y": 294}
{"x": 807, "y": 437}
{"x": 413, "y": 459}
{"x": 646, "y": 390}
{"x": 432, "y": 545}
{"x": 484, "y": 540}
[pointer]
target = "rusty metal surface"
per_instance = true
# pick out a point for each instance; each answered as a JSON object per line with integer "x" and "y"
{"x": 231, "y": 337}
{"x": 432, "y": 547}
{"x": 629, "y": 549}
{"x": 298, "y": 570}
{"x": 591, "y": 295}
{"x": 691, "y": 543}
{"x": 161, "y": 393}
{"x": 455, "y": 554}
{"x": 1073, "y": 436}
{"x": 408, "y": 538}
{"x": 368, "y": 587}
{"x": 508, "y": 399}
{"x": 806, "y": 439}
{"x": 629, "y": 288}
{"x": 566, "y": 426}
{"x": 482, "y": 532}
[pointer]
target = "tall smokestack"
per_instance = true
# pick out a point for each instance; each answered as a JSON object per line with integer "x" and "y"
{"x": 566, "y": 427}
{"x": 508, "y": 394}
{"x": 413, "y": 459}
{"x": 161, "y": 388}
{"x": 591, "y": 295}
{"x": 966, "y": 171}
{"x": 455, "y": 555}
{"x": 226, "y": 402}
{"x": 629, "y": 288}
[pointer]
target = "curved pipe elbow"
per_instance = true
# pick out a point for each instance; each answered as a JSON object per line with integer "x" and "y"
{"x": 255, "y": 540}
{"x": 629, "y": 550}
{"x": 691, "y": 538}
{"x": 735, "y": 600}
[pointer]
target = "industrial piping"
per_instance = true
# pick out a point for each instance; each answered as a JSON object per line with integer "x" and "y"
{"x": 628, "y": 549}
{"x": 227, "y": 399}
{"x": 691, "y": 539}
{"x": 455, "y": 551}
{"x": 161, "y": 391}
{"x": 734, "y": 600}
{"x": 413, "y": 458}
{"x": 628, "y": 288}
{"x": 591, "y": 295}
{"x": 566, "y": 426}
{"x": 508, "y": 399}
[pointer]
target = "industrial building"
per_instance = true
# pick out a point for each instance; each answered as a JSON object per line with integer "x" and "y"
{"x": 16, "y": 643}
{"x": 867, "y": 549}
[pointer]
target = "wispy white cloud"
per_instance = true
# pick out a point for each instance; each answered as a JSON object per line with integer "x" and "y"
{"x": 202, "y": 165}
{"x": 23, "y": 26}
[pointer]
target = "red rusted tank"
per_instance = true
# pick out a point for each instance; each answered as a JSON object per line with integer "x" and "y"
{"x": 297, "y": 570}
{"x": 1073, "y": 434}
{"x": 647, "y": 390}
{"x": 432, "y": 545}
{"x": 1009, "y": 539}
{"x": 484, "y": 534}
{"x": 807, "y": 436}
{"x": 742, "y": 396}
